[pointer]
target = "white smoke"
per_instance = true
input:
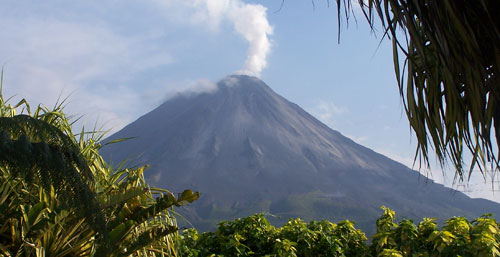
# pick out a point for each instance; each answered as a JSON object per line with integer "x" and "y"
{"x": 248, "y": 20}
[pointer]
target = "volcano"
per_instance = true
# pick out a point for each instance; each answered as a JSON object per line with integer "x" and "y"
{"x": 246, "y": 149}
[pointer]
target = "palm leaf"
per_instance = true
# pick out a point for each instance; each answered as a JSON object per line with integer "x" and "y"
{"x": 451, "y": 90}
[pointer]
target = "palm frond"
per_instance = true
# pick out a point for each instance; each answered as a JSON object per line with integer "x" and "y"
{"x": 449, "y": 80}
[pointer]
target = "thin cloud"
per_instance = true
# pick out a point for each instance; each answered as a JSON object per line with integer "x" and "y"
{"x": 328, "y": 112}
{"x": 190, "y": 87}
{"x": 89, "y": 61}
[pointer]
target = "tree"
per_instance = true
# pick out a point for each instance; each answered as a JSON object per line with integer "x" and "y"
{"x": 448, "y": 76}
{"x": 58, "y": 197}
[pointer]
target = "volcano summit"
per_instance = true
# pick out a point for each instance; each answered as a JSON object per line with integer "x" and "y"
{"x": 246, "y": 149}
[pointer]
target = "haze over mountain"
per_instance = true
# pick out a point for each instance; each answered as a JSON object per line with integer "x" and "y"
{"x": 246, "y": 149}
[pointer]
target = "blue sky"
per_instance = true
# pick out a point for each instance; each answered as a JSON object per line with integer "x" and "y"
{"x": 116, "y": 60}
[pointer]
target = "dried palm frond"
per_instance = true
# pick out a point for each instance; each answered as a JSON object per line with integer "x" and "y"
{"x": 447, "y": 64}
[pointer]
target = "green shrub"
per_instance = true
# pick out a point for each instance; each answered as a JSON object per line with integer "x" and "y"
{"x": 254, "y": 236}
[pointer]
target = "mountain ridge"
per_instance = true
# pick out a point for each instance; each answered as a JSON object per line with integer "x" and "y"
{"x": 243, "y": 145}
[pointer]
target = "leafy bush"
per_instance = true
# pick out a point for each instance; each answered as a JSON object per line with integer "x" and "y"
{"x": 254, "y": 236}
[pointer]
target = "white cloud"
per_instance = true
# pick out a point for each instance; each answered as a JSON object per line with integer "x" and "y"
{"x": 328, "y": 112}
{"x": 189, "y": 87}
{"x": 81, "y": 50}
{"x": 92, "y": 63}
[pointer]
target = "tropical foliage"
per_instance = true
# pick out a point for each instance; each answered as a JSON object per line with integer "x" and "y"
{"x": 58, "y": 197}
{"x": 447, "y": 63}
{"x": 254, "y": 236}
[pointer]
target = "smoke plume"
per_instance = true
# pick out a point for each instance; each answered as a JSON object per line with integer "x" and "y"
{"x": 251, "y": 22}
{"x": 248, "y": 20}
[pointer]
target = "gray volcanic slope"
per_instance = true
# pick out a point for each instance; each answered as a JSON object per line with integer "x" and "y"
{"x": 246, "y": 149}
